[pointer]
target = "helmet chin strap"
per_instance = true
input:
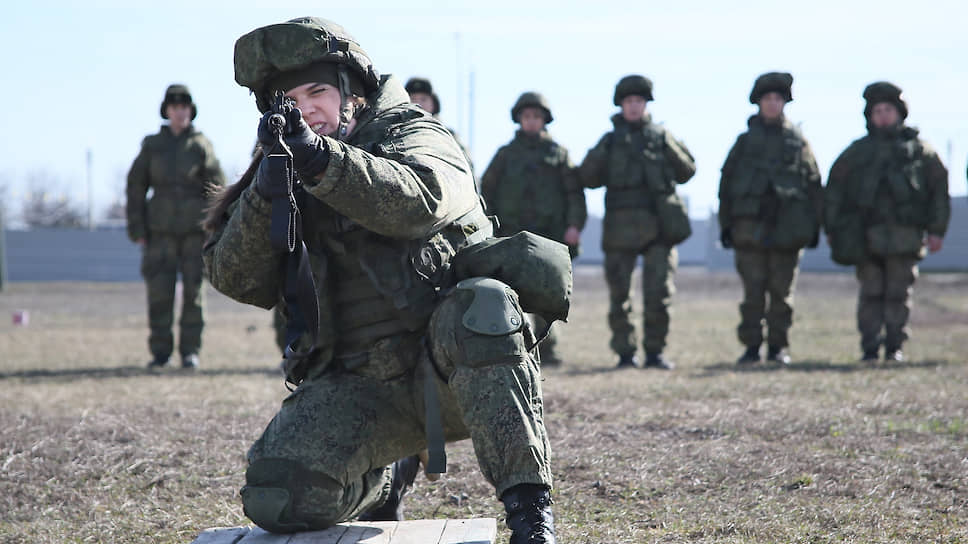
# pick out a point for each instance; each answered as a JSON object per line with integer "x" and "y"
{"x": 345, "y": 108}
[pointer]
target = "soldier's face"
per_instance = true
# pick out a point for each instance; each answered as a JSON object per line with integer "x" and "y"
{"x": 319, "y": 104}
{"x": 532, "y": 120}
{"x": 423, "y": 100}
{"x": 633, "y": 108}
{"x": 179, "y": 116}
{"x": 885, "y": 115}
{"x": 771, "y": 106}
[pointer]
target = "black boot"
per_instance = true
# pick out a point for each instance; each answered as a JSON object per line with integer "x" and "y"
{"x": 870, "y": 356}
{"x": 157, "y": 363}
{"x": 404, "y": 473}
{"x": 750, "y": 356}
{"x": 776, "y": 354}
{"x": 529, "y": 514}
{"x": 629, "y": 360}
{"x": 656, "y": 360}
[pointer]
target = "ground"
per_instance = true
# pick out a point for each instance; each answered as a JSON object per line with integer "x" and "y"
{"x": 95, "y": 449}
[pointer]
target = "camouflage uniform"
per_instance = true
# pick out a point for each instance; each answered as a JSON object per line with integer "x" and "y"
{"x": 396, "y": 190}
{"x": 886, "y": 191}
{"x": 770, "y": 207}
{"x": 640, "y": 165}
{"x": 179, "y": 170}
{"x": 533, "y": 169}
{"x": 421, "y": 85}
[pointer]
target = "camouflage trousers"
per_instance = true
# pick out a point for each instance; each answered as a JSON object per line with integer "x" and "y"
{"x": 324, "y": 457}
{"x": 164, "y": 258}
{"x": 884, "y": 301}
{"x": 765, "y": 273}
{"x": 658, "y": 285}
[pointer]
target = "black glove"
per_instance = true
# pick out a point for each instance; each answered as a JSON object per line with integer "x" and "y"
{"x": 310, "y": 155}
{"x": 726, "y": 237}
{"x": 815, "y": 240}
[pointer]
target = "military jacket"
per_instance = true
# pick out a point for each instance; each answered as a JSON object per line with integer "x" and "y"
{"x": 395, "y": 202}
{"x": 639, "y": 165}
{"x": 885, "y": 191}
{"x": 531, "y": 185}
{"x": 178, "y": 169}
{"x": 770, "y": 193}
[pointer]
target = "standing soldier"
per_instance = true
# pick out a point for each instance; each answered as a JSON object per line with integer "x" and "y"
{"x": 531, "y": 185}
{"x": 178, "y": 164}
{"x": 770, "y": 208}
{"x": 422, "y": 94}
{"x": 640, "y": 163}
{"x": 395, "y": 352}
{"x": 885, "y": 204}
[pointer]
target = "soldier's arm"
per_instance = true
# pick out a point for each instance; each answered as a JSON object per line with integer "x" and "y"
{"x": 811, "y": 175}
{"x": 136, "y": 190}
{"x": 835, "y": 191}
{"x": 400, "y": 194}
{"x": 594, "y": 169}
{"x": 492, "y": 178}
{"x": 577, "y": 212}
{"x": 936, "y": 177}
{"x": 678, "y": 155}
{"x": 729, "y": 168}
{"x": 213, "y": 173}
{"x": 239, "y": 259}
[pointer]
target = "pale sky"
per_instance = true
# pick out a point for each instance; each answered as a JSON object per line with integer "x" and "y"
{"x": 91, "y": 76}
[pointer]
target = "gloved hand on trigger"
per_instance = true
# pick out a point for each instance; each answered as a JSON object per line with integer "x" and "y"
{"x": 310, "y": 155}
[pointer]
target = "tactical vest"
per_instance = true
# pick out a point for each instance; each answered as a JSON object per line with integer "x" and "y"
{"x": 531, "y": 194}
{"x": 771, "y": 206}
{"x": 176, "y": 168}
{"x": 637, "y": 169}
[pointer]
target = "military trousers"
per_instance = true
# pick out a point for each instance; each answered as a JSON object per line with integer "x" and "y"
{"x": 324, "y": 457}
{"x": 884, "y": 301}
{"x": 658, "y": 285}
{"x": 766, "y": 274}
{"x": 166, "y": 257}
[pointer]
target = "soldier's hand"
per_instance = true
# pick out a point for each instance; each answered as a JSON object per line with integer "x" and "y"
{"x": 310, "y": 154}
{"x": 572, "y": 236}
{"x": 934, "y": 243}
{"x": 726, "y": 238}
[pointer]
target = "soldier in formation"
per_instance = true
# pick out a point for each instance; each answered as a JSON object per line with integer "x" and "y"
{"x": 179, "y": 166}
{"x": 640, "y": 163}
{"x": 886, "y": 205}
{"x": 770, "y": 208}
{"x": 406, "y": 343}
{"x": 531, "y": 185}
{"x": 422, "y": 93}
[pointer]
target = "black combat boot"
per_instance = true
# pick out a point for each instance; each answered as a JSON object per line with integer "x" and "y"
{"x": 893, "y": 355}
{"x": 776, "y": 354}
{"x": 656, "y": 360}
{"x": 404, "y": 473}
{"x": 529, "y": 514}
{"x": 750, "y": 356}
{"x": 870, "y": 356}
{"x": 629, "y": 360}
{"x": 190, "y": 361}
{"x": 157, "y": 363}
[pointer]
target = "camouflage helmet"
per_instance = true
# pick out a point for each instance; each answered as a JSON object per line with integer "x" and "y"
{"x": 883, "y": 91}
{"x": 422, "y": 85}
{"x": 772, "y": 82}
{"x": 634, "y": 84}
{"x": 531, "y": 100}
{"x": 269, "y": 51}
{"x": 177, "y": 94}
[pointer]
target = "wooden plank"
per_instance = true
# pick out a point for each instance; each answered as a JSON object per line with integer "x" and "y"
{"x": 420, "y": 531}
{"x": 326, "y": 536}
{"x": 258, "y": 535}
{"x": 221, "y": 535}
{"x": 469, "y": 531}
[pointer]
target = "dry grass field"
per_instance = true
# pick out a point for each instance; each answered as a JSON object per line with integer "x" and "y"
{"x": 95, "y": 449}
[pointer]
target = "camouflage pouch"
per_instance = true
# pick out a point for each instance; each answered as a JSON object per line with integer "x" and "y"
{"x": 629, "y": 229}
{"x": 796, "y": 222}
{"x": 538, "y": 269}
{"x": 847, "y": 243}
{"x": 886, "y": 240}
{"x": 674, "y": 225}
{"x": 747, "y": 233}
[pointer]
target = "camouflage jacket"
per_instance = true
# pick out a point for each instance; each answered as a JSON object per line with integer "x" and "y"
{"x": 394, "y": 202}
{"x": 888, "y": 177}
{"x": 531, "y": 185}
{"x": 179, "y": 170}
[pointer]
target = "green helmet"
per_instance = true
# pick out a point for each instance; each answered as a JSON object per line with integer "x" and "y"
{"x": 634, "y": 84}
{"x": 883, "y": 91}
{"x": 422, "y": 85}
{"x": 770, "y": 82}
{"x": 177, "y": 94}
{"x": 270, "y": 51}
{"x": 531, "y": 100}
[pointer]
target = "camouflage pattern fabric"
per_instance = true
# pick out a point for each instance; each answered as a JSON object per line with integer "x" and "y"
{"x": 531, "y": 185}
{"x": 658, "y": 286}
{"x": 766, "y": 273}
{"x": 398, "y": 179}
{"x": 164, "y": 258}
{"x": 884, "y": 301}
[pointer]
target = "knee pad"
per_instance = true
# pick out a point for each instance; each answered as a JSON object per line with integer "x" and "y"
{"x": 494, "y": 310}
{"x": 268, "y": 507}
{"x": 273, "y": 493}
